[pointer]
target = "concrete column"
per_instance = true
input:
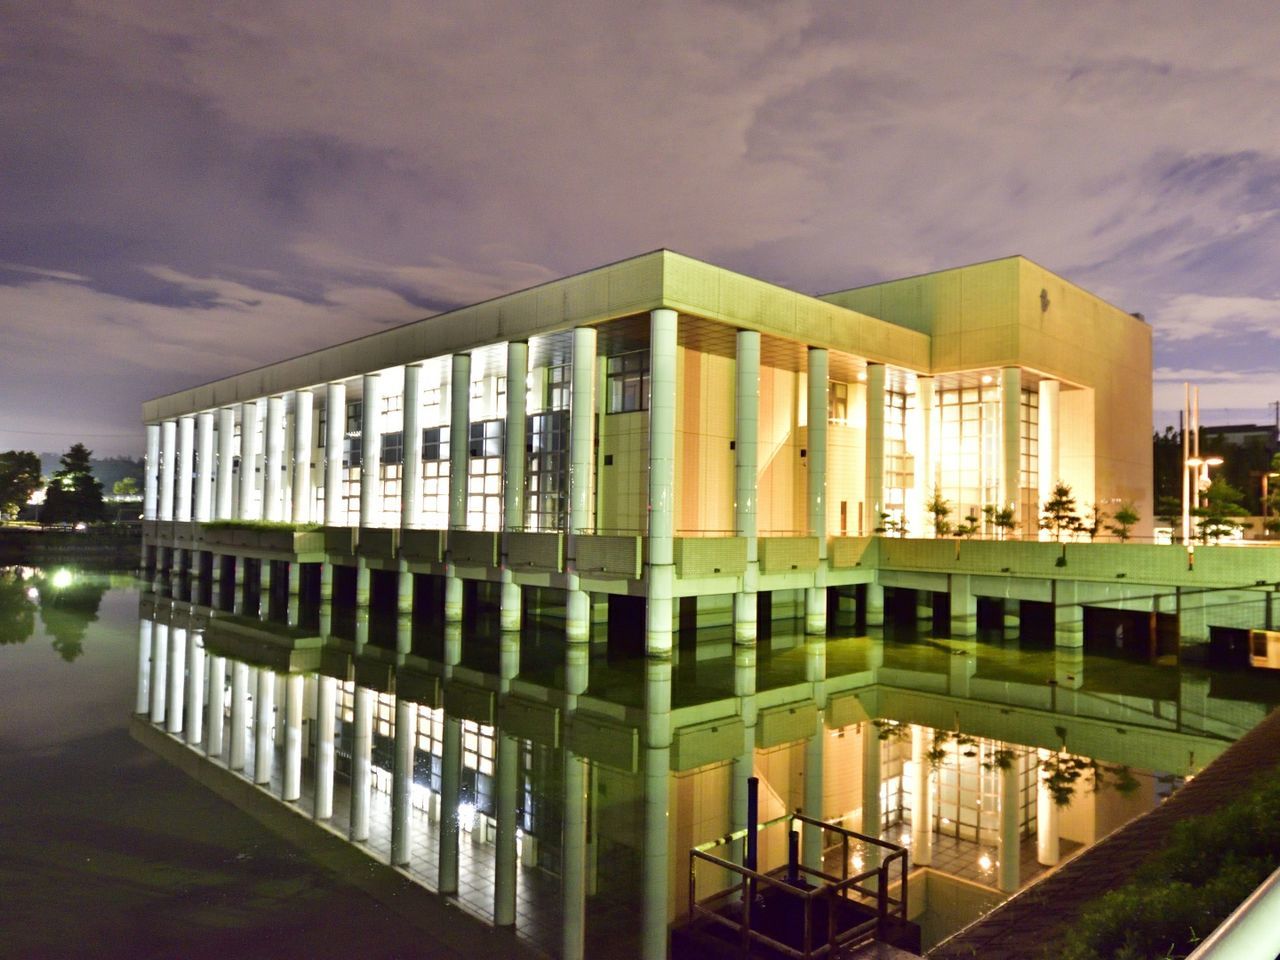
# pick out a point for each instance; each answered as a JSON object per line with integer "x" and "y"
{"x": 926, "y": 479}
{"x": 1193, "y": 625}
{"x": 217, "y": 704}
{"x": 291, "y": 781}
{"x": 815, "y": 613}
{"x": 151, "y": 478}
{"x": 265, "y": 569}
{"x": 264, "y": 744}
{"x": 581, "y": 460}
{"x": 177, "y": 679}
{"x": 335, "y": 431}
{"x": 964, "y": 606}
{"x": 573, "y": 833}
{"x": 142, "y": 704}
{"x": 204, "y": 463}
{"x": 273, "y": 461}
{"x": 656, "y": 766}
{"x": 159, "y": 673}
{"x": 450, "y": 782}
{"x": 224, "y": 483}
{"x": 871, "y": 809}
{"x": 921, "y": 797}
{"x": 1068, "y": 614}
{"x": 411, "y": 466}
{"x": 402, "y": 783}
{"x": 662, "y": 461}
{"x": 195, "y": 690}
{"x": 513, "y": 463}
{"x": 874, "y": 612}
{"x": 250, "y": 508}
{"x": 186, "y": 453}
{"x": 1011, "y": 459}
{"x": 1048, "y": 846}
{"x": 1048, "y": 438}
{"x": 361, "y": 764}
{"x": 746, "y": 415}
{"x": 459, "y": 461}
{"x": 744, "y": 688}
{"x": 303, "y": 426}
{"x": 326, "y": 690}
{"x": 814, "y": 772}
{"x": 239, "y": 714}
{"x": 371, "y": 512}
{"x": 1009, "y": 839}
{"x": 875, "y": 444}
{"x": 168, "y": 468}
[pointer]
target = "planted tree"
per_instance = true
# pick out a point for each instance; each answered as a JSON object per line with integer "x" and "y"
{"x": 1001, "y": 519}
{"x": 1094, "y": 523}
{"x": 1222, "y": 502}
{"x": 1123, "y": 521}
{"x": 1058, "y": 515}
{"x": 19, "y": 479}
{"x": 940, "y": 508}
{"x": 75, "y": 495}
{"x": 969, "y": 527}
{"x": 892, "y": 524}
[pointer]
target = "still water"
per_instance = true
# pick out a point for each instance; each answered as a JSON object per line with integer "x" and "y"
{"x": 991, "y": 762}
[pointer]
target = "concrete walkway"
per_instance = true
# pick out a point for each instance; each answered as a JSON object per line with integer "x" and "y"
{"x": 1025, "y": 924}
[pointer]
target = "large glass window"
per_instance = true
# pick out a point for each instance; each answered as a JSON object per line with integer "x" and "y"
{"x": 435, "y": 478}
{"x": 546, "y": 492}
{"x": 1029, "y": 456}
{"x": 628, "y": 382}
{"x": 899, "y": 465}
{"x": 969, "y": 448}
{"x": 484, "y": 476}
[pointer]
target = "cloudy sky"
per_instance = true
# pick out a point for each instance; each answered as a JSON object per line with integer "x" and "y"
{"x": 190, "y": 189}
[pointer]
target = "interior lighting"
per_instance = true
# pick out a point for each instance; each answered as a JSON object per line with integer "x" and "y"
{"x": 33, "y": 593}
{"x": 905, "y": 839}
{"x": 984, "y": 863}
{"x": 61, "y": 578}
{"x": 857, "y": 862}
{"x": 466, "y": 816}
{"x": 986, "y": 378}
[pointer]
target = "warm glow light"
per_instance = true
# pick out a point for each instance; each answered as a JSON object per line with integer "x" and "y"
{"x": 857, "y": 861}
{"x": 986, "y": 378}
{"x": 862, "y": 376}
{"x": 905, "y": 839}
{"x": 984, "y": 862}
{"x": 61, "y": 578}
{"x": 466, "y": 815}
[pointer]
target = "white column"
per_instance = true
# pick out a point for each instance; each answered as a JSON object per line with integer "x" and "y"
{"x": 402, "y": 783}
{"x": 224, "y": 484}
{"x": 513, "y": 468}
{"x": 186, "y": 450}
{"x": 177, "y": 679}
{"x": 159, "y": 672}
{"x": 450, "y": 776}
{"x": 264, "y": 743}
{"x": 204, "y": 467}
{"x": 411, "y": 468}
{"x": 662, "y": 459}
{"x": 746, "y": 478}
{"x": 151, "y": 479}
{"x": 1047, "y": 441}
{"x": 239, "y": 714}
{"x": 921, "y": 797}
{"x": 361, "y": 764}
{"x": 655, "y": 868}
{"x": 195, "y": 689}
{"x": 459, "y": 459}
{"x": 815, "y": 614}
{"x": 291, "y": 781}
{"x": 371, "y": 513}
{"x": 217, "y": 704}
{"x": 273, "y": 462}
{"x": 1011, "y": 459}
{"x": 925, "y": 475}
{"x": 875, "y": 445}
{"x": 142, "y": 703}
{"x": 249, "y": 508}
{"x": 581, "y": 462}
{"x": 1048, "y": 847}
{"x": 303, "y": 426}
{"x": 335, "y": 406}
{"x": 1009, "y": 852}
{"x": 326, "y": 690}
{"x": 168, "y": 472}
{"x": 507, "y": 776}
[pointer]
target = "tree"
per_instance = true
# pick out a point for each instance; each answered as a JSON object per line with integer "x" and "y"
{"x": 969, "y": 527}
{"x": 1095, "y": 524}
{"x": 1000, "y": 518}
{"x": 1124, "y": 519}
{"x": 19, "y": 479}
{"x": 1271, "y": 508}
{"x": 1221, "y": 503}
{"x": 74, "y": 494}
{"x": 1059, "y": 512}
{"x": 941, "y": 509}
{"x": 892, "y": 524}
{"x": 125, "y": 487}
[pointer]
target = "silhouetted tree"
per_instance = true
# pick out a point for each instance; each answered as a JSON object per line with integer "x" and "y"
{"x": 74, "y": 494}
{"x": 1059, "y": 512}
{"x": 17, "y": 612}
{"x": 1221, "y": 504}
{"x": 19, "y": 479}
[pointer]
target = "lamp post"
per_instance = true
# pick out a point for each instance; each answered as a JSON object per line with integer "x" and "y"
{"x": 1266, "y": 479}
{"x": 1199, "y": 468}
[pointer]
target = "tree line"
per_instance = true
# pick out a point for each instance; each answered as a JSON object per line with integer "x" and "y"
{"x": 73, "y": 494}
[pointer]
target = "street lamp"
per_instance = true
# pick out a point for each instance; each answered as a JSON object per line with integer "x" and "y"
{"x": 1200, "y": 466}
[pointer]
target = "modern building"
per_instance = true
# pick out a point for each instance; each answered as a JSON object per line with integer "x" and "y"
{"x": 659, "y": 461}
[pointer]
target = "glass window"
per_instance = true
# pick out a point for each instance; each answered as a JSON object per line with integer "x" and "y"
{"x": 393, "y": 448}
{"x": 838, "y": 402}
{"x": 627, "y": 385}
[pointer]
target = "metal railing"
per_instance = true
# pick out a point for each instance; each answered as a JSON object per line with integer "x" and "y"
{"x": 866, "y": 887}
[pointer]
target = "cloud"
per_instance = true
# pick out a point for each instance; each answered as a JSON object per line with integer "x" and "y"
{"x": 1191, "y": 316}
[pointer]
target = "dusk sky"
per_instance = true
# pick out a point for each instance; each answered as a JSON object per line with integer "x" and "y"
{"x": 188, "y": 189}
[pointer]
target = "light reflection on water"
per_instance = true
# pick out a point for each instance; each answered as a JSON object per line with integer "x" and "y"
{"x": 70, "y": 665}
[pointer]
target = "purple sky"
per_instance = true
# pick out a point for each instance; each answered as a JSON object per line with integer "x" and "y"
{"x": 191, "y": 189}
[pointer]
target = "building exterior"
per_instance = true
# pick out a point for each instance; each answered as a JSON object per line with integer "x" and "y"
{"x": 658, "y": 498}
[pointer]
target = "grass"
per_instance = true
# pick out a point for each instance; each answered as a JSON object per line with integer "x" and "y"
{"x": 262, "y": 525}
{"x": 1176, "y": 899}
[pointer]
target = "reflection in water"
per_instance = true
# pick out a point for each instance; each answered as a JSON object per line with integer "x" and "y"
{"x": 17, "y": 610}
{"x": 67, "y": 601}
{"x": 558, "y": 786}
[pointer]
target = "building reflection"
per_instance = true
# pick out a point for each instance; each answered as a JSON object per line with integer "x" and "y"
{"x": 557, "y": 786}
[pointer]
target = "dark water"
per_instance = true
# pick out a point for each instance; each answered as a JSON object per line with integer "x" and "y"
{"x": 106, "y": 850}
